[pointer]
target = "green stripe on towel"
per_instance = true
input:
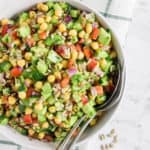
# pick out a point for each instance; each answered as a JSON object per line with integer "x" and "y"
{"x": 116, "y": 17}
{"x": 10, "y": 143}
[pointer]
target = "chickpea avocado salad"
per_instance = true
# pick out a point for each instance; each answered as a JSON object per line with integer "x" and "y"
{"x": 56, "y": 64}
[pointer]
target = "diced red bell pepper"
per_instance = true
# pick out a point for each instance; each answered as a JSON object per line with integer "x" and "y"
{"x": 65, "y": 82}
{"x": 15, "y": 35}
{"x": 81, "y": 41}
{"x": 16, "y": 72}
{"x": 78, "y": 47}
{"x": 70, "y": 63}
{"x": 4, "y": 29}
{"x": 99, "y": 90}
{"x": 84, "y": 100}
{"x": 30, "y": 42}
{"x": 95, "y": 33}
{"x": 92, "y": 64}
{"x": 29, "y": 92}
{"x": 27, "y": 119}
{"x": 61, "y": 50}
{"x": 43, "y": 35}
{"x": 87, "y": 52}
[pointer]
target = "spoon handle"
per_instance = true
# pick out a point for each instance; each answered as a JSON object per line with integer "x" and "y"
{"x": 66, "y": 143}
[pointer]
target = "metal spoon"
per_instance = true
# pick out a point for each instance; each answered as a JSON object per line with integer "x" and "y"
{"x": 69, "y": 141}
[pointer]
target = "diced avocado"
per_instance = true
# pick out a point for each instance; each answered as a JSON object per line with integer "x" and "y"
{"x": 100, "y": 99}
{"x": 105, "y": 37}
{"x": 104, "y": 80}
{"x": 3, "y": 120}
{"x": 54, "y": 39}
{"x": 42, "y": 66}
{"x": 101, "y": 54}
{"x": 54, "y": 57}
{"x": 50, "y": 4}
{"x": 72, "y": 120}
{"x": 46, "y": 90}
{"x": 74, "y": 13}
{"x": 89, "y": 110}
{"x": 23, "y": 17}
{"x": 56, "y": 6}
{"x": 24, "y": 31}
{"x": 6, "y": 91}
{"x": 5, "y": 66}
{"x": 70, "y": 25}
{"x": 77, "y": 26}
{"x": 49, "y": 41}
{"x": 39, "y": 51}
{"x": 41, "y": 118}
{"x": 57, "y": 39}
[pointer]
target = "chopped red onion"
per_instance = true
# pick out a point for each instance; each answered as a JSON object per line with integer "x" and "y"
{"x": 72, "y": 71}
{"x": 68, "y": 19}
{"x": 98, "y": 71}
{"x": 95, "y": 25}
{"x": 93, "y": 91}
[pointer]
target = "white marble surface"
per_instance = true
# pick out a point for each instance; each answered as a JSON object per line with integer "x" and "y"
{"x": 132, "y": 120}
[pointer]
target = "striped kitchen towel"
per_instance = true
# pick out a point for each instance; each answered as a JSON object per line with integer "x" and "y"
{"x": 117, "y": 12}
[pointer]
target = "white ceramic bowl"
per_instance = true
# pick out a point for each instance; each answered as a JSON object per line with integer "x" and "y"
{"x": 35, "y": 144}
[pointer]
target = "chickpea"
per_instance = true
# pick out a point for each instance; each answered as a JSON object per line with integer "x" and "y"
{"x": 38, "y": 85}
{"x": 52, "y": 109}
{"x": 4, "y": 21}
{"x": 48, "y": 19}
{"x": 41, "y": 135}
{"x": 103, "y": 63}
{"x": 5, "y": 57}
{"x": 28, "y": 111}
{"x": 93, "y": 122}
{"x": 11, "y": 100}
{"x": 89, "y": 28}
{"x": 57, "y": 120}
{"x": 74, "y": 54}
{"x": 41, "y": 44}
{"x": 40, "y": 20}
{"x": 80, "y": 55}
{"x": 57, "y": 75}
{"x": 38, "y": 106}
{"x": 64, "y": 63}
{"x": 21, "y": 62}
{"x": 13, "y": 61}
{"x": 28, "y": 56}
{"x": 113, "y": 54}
{"x": 8, "y": 113}
{"x": 44, "y": 8}
{"x": 39, "y": 5}
{"x": 45, "y": 125}
{"x": 1, "y": 60}
{"x": 81, "y": 34}
{"x": 17, "y": 109}
{"x": 73, "y": 32}
{"x": 58, "y": 12}
{"x": 22, "y": 95}
{"x": 62, "y": 27}
{"x": 28, "y": 82}
{"x": 31, "y": 132}
{"x": 17, "y": 42}
{"x": 51, "y": 78}
{"x": 43, "y": 26}
{"x": 95, "y": 45}
{"x": 32, "y": 14}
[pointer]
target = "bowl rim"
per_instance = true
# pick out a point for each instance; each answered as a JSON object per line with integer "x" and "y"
{"x": 105, "y": 24}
